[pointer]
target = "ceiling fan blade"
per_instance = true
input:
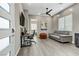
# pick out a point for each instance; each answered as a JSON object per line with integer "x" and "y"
{"x": 49, "y": 14}
{"x": 49, "y": 11}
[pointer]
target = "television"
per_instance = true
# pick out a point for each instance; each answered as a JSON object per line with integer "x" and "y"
{"x": 22, "y": 19}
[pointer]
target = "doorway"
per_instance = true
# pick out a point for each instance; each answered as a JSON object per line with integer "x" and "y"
{"x": 34, "y": 26}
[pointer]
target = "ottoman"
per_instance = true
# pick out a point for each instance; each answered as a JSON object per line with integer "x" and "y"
{"x": 43, "y": 35}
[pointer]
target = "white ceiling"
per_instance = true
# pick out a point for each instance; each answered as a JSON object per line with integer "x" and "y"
{"x": 38, "y": 8}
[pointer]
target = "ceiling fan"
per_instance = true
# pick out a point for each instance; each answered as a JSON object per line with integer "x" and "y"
{"x": 47, "y": 12}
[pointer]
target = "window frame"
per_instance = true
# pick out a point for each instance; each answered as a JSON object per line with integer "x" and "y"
{"x": 7, "y": 16}
{"x": 5, "y": 9}
{"x": 64, "y": 18}
{"x": 7, "y": 20}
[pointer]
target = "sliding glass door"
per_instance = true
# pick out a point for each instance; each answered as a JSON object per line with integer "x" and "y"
{"x": 5, "y": 29}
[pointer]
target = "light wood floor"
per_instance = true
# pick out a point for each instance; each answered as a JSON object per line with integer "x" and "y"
{"x": 49, "y": 48}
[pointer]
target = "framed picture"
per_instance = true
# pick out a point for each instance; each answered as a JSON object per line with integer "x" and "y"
{"x": 43, "y": 25}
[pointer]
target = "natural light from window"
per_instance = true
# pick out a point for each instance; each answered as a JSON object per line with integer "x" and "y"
{"x": 5, "y": 6}
{"x": 33, "y": 20}
{"x": 65, "y": 23}
{"x": 4, "y": 23}
{"x": 33, "y": 26}
{"x": 61, "y": 23}
{"x": 4, "y": 43}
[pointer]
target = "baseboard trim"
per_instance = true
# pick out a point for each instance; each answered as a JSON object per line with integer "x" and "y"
{"x": 17, "y": 51}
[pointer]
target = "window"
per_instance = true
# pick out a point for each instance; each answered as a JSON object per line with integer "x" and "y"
{"x": 4, "y": 43}
{"x": 4, "y": 28}
{"x": 65, "y": 23}
{"x": 5, "y": 6}
{"x": 33, "y": 26}
{"x": 33, "y": 20}
{"x": 68, "y": 23}
{"x": 4, "y": 23}
{"x": 61, "y": 23}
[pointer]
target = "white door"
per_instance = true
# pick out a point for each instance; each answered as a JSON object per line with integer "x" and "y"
{"x": 5, "y": 29}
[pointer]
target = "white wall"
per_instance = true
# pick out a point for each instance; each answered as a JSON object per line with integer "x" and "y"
{"x": 12, "y": 41}
{"x": 75, "y": 20}
{"x": 54, "y": 24}
{"x": 26, "y": 20}
{"x": 16, "y": 9}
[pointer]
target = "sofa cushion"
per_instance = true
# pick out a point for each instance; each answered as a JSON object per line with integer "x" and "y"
{"x": 65, "y": 35}
{"x": 55, "y": 36}
{"x": 62, "y": 32}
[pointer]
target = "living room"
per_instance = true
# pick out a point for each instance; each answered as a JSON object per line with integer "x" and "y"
{"x": 58, "y": 22}
{"x": 52, "y": 25}
{"x": 62, "y": 27}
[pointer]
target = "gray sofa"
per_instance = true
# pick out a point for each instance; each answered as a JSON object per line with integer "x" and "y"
{"x": 62, "y": 36}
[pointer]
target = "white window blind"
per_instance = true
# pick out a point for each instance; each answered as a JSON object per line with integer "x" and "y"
{"x": 4, "y": 43}
{"x": 65, "y": 23}
{"x": 68, "y": 23}
{"x": 61, "y": 23}
{"x": 4, "y": 23}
